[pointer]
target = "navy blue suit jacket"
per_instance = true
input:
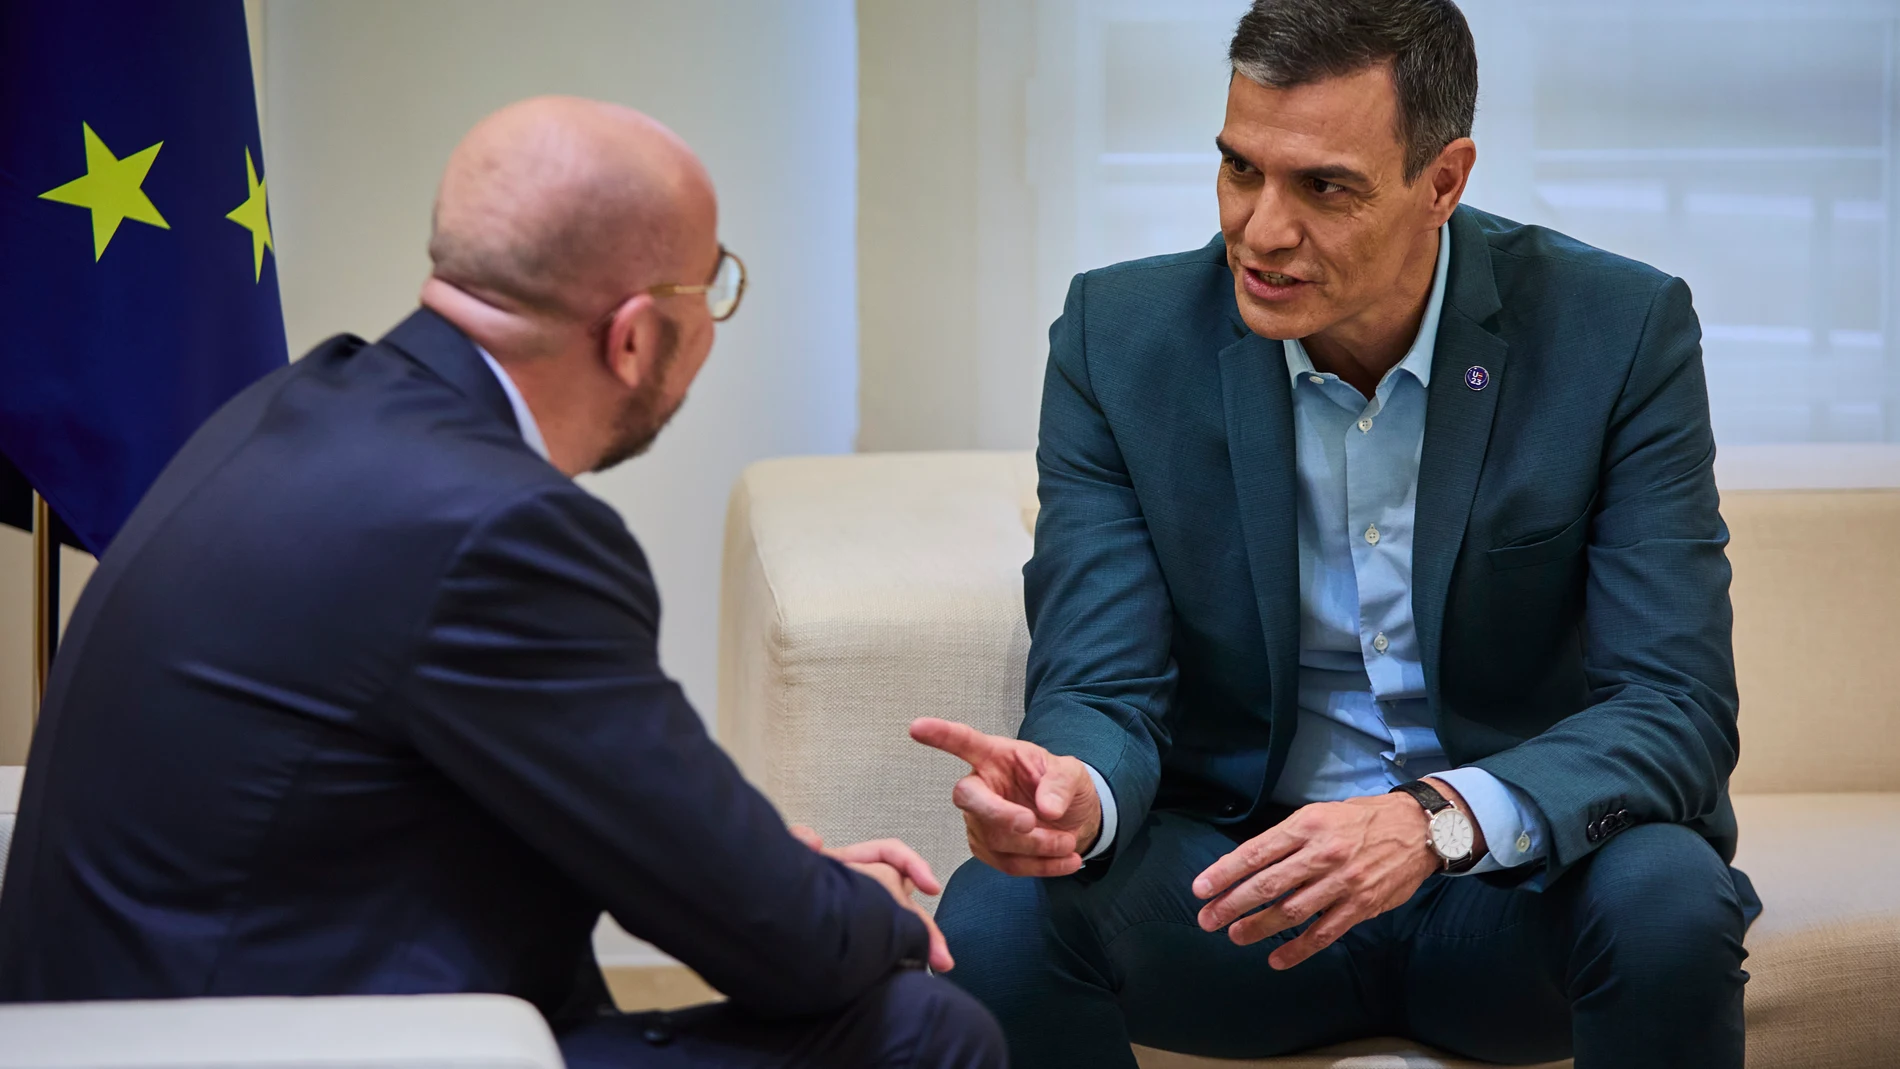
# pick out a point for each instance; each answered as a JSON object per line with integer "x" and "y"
{"x": 366, "y": 699}
{"x": 1570, "y": 585}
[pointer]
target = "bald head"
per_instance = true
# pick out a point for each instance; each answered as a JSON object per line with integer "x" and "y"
{"x": 556, "y": 220}
{"x": 558, "y": 207}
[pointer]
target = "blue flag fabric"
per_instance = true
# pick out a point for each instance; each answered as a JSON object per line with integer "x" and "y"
{"x": 138, "y": 283}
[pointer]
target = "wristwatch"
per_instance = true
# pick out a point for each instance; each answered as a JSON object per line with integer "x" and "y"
{"x": 1449, "y": 834}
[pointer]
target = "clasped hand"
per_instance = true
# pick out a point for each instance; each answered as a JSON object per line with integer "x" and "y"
{"x": 900, "y": 870}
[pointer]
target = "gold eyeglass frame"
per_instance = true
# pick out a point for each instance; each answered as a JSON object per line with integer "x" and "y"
{"x": 672, "y": 289}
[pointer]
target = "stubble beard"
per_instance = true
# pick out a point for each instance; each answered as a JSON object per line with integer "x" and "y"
{"x": 646, "y": 413}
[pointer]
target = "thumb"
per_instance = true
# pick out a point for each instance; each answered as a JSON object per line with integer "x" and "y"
{"x": 1057, "y": 790}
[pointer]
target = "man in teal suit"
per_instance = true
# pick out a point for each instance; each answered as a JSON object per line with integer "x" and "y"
{"x": 1380, "y": 678}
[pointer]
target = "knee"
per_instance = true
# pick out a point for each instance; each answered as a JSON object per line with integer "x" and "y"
{"x": 985, "y": 912}
{"x": 956, "y": 1031}
{"x": 1659, "y": 909}
{"x": 979, "y": 897}
{"x": 997, "y": 925}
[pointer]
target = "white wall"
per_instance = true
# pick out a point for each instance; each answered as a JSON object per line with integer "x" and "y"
{"x": 953, "y": 334}
{"x": 364, "y": 99}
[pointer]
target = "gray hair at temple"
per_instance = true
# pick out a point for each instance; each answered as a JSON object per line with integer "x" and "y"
{"x": 1287, "y": 43}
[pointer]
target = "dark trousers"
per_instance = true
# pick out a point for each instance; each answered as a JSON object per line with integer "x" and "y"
{"x": 1632, "y": 958}
{"x": 910, "y": 1021}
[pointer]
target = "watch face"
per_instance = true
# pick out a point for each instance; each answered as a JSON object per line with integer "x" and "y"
{"x": 1452, "y": 834}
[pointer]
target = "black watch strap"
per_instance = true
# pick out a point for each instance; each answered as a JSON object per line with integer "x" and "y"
{"x": 1424, "y": 794}
{"x": 1427, "y": 795}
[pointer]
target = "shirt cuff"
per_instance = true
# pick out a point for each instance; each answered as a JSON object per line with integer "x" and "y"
{"x": 1107, "y": 799}
{"x": 1513, "y": 831}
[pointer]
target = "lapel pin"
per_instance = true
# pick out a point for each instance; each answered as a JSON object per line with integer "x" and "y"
{"x": 1477, "y": 378}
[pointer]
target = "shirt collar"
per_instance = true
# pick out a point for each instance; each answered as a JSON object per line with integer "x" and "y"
{"x": 1418, "y": 359}
{"x": 524, "y": 419}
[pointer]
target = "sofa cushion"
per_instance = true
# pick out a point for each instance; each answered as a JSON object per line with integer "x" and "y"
{"x": 1824, "y": 957}
{"x": 1813, "y": 581}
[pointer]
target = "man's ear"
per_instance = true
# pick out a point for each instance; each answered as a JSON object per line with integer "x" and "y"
{"x": 1449, "y": 174}
{"x": 633, "y": 340}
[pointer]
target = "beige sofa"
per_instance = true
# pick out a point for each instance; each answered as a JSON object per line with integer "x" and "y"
{"x": 863, "y": 591}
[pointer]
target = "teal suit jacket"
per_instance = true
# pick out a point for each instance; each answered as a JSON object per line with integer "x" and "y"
{"x": 1570, "y": 585}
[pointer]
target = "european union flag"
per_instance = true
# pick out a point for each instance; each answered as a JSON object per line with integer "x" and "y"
{"x": 138, "y": 288}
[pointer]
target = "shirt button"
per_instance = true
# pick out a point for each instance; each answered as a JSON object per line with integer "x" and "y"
{"x": 1317, "y": 380}
{"x": 1523, "y": 842}
{"x": 1379, "y": 643}
{"x": 1372, "y": 535}
{"x": 1365, "y": 424}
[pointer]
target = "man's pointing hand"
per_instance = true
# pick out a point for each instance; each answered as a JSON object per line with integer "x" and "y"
{"x": 1027, "y": 811}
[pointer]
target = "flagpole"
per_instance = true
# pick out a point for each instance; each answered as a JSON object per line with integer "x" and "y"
{"x": 45, "y": 601}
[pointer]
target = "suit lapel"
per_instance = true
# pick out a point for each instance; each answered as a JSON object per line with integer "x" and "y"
{"x": 1259, "y": 418}
{"x": 1457, "y": 429}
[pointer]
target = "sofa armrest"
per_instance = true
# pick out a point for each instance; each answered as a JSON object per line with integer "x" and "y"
{"x": 859, "y": 593}
{"x": 390, "y": 1032}
{"x": 11, "y": 777}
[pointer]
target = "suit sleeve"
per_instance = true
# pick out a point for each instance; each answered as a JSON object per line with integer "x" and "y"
{"x": 1101, "y": 674}
{"x": 1658, "y": 739}
{"x": 538, "y": 690}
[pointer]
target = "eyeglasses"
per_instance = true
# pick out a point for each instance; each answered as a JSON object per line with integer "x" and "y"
{"x": 722, "y": 293}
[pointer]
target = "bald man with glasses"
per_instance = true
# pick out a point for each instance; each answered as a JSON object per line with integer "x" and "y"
{"x": 366, "y": 697}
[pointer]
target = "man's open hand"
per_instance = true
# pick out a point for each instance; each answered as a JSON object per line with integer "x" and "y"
{"x": 1349, "y": 861}
{"x": 902, "y": 872}
{"x": 1027, "y": 811}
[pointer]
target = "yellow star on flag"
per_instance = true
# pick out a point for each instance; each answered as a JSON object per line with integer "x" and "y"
{"x": 254, "y": 216}
{"x": 110, "y": 188}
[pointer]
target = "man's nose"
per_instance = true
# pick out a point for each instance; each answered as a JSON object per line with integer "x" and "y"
{"x": 1273, "y": 227}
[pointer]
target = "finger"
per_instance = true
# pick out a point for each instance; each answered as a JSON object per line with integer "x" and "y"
{"x": 1057, "y": 790}
{"x": 1321, "y": 935}
{"x": 885, "y": 876}
{"x": 940, "y": 959}
{"x": 958, "y": 740}
{"x": 917, "y": 871}
{"x": 898, "y": 855}
{"x": 994, "y": 811}
{"x": 1042, "y": 867}
{"x": 1245, "y": 860}
{"x": 1287, "y": 913}
{"x": 807, "y": 836}
{"x": 1260, "y": 889}
{"x": 1038, "y": 842}
{"x": 980, "y": 849}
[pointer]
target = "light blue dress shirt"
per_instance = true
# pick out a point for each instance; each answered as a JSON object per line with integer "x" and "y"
{"x": 1365, "y": 724}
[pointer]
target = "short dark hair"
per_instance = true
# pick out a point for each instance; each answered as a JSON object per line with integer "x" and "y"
{"x": 1285, "y": 43}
